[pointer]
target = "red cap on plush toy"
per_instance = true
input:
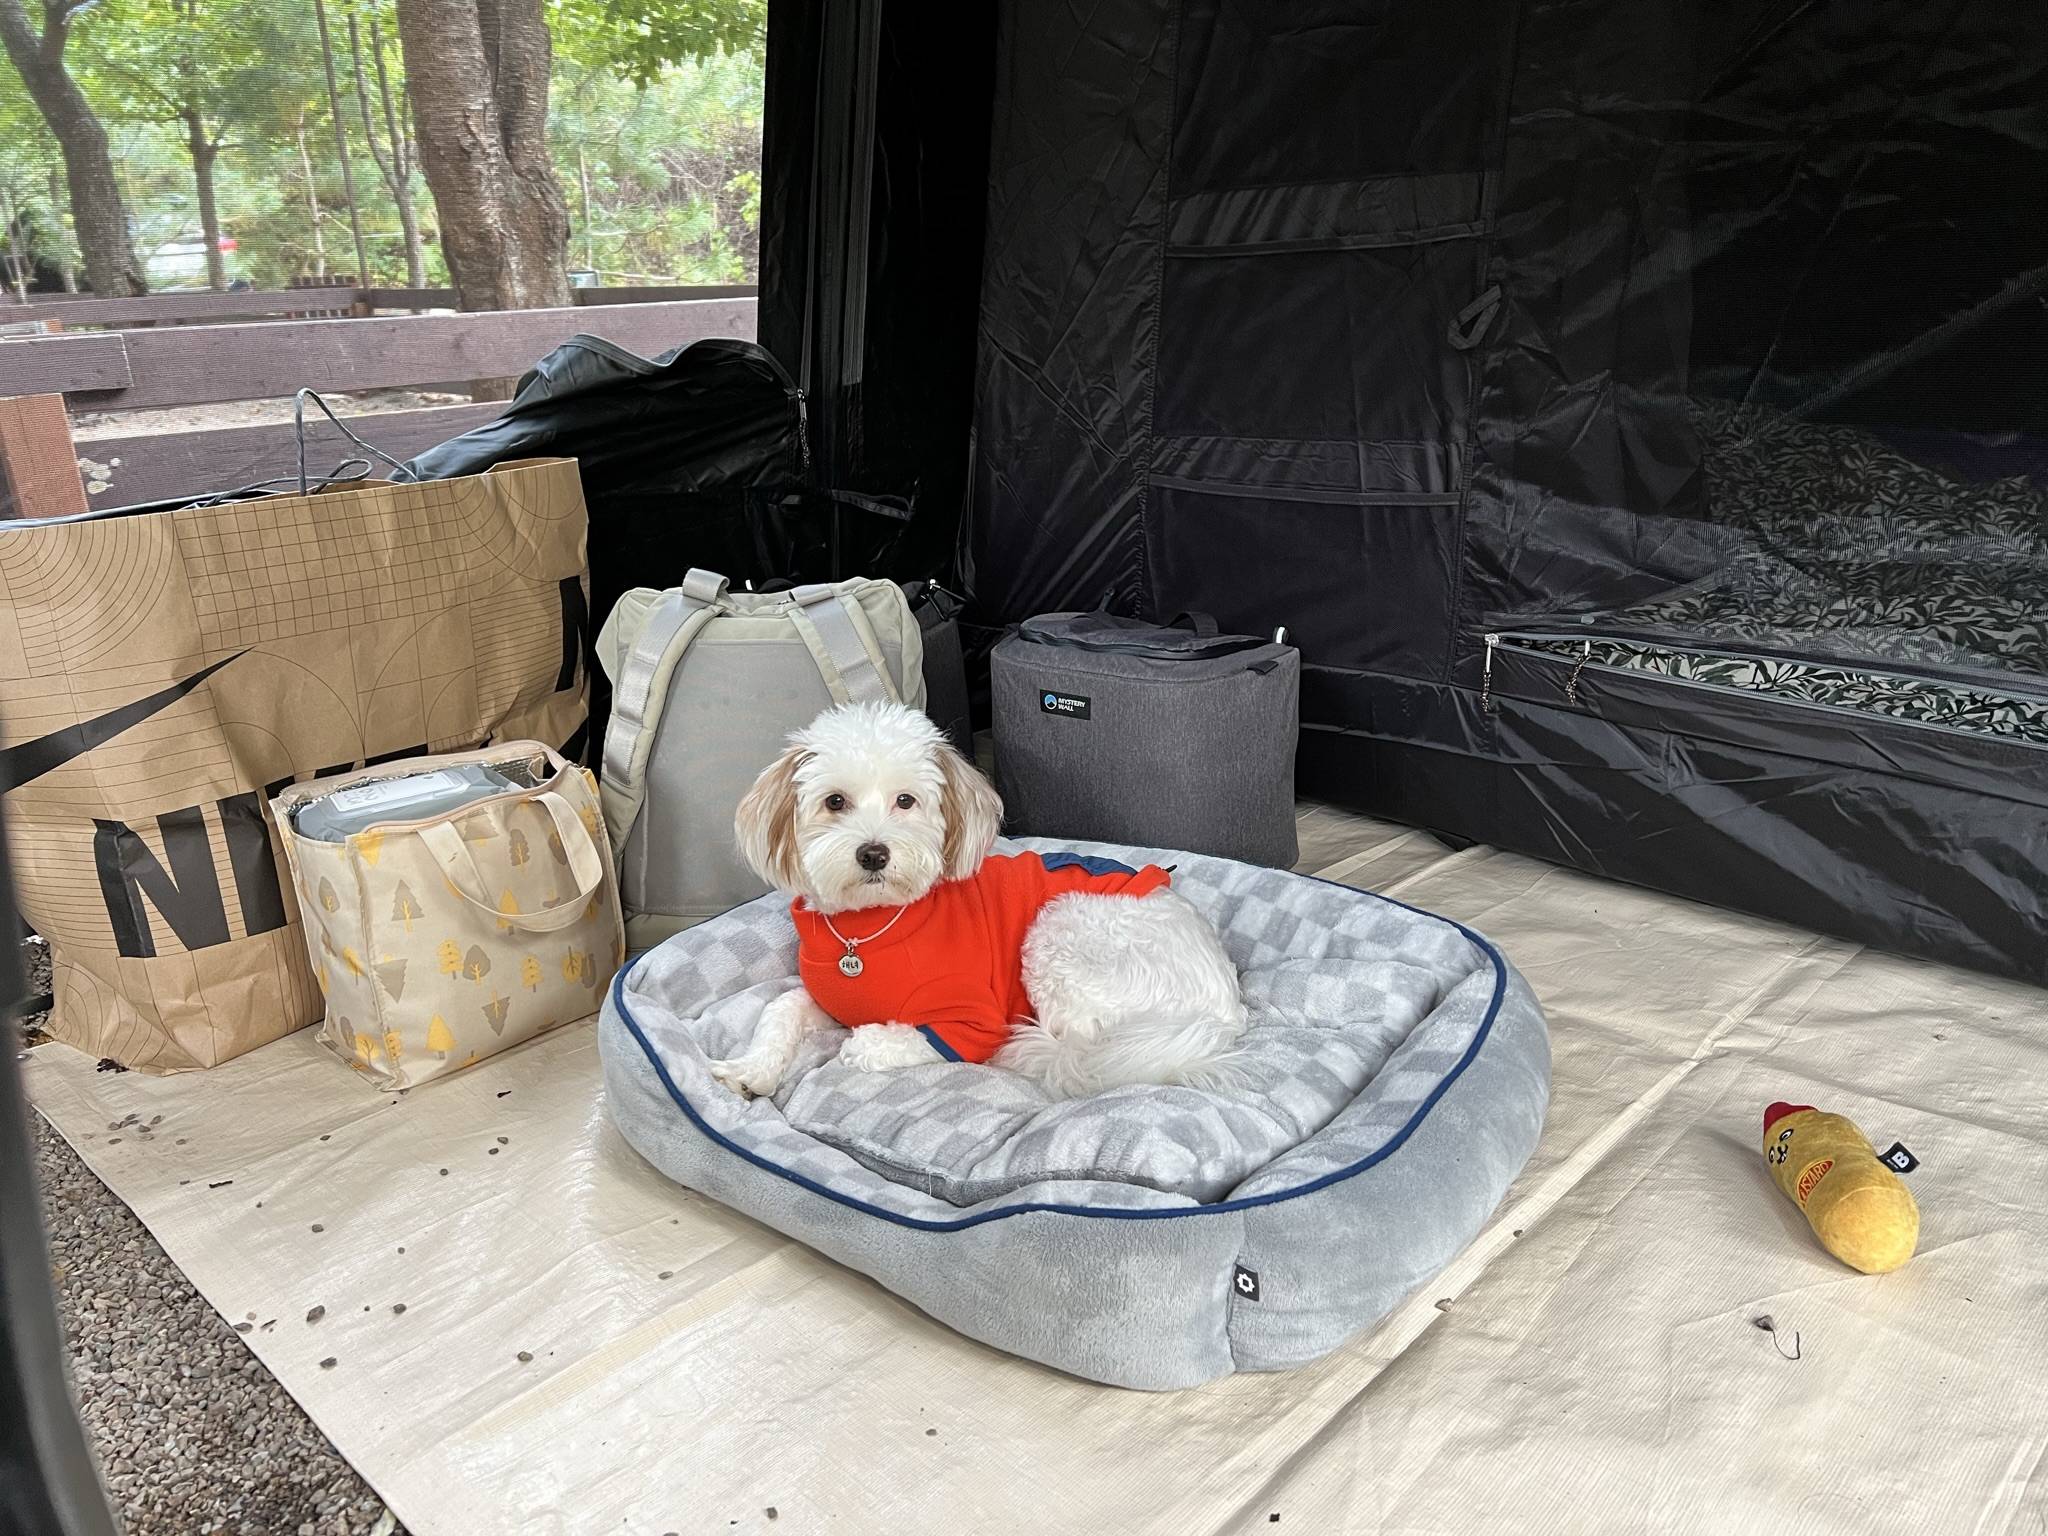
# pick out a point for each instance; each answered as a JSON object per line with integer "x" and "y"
{"x": 1779, "y": 1111}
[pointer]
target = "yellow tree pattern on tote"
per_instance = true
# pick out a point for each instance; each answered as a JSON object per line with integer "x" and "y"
{"x": 393, "y": 1046}
{"x": 439, "y": 1038}
{"x": 529, "y": 972}
{"x": 509, "y": 905}
{"x": 450, "y": 957}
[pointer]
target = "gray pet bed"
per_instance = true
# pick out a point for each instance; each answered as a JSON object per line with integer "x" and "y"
{"x": 1148, "y": 1237}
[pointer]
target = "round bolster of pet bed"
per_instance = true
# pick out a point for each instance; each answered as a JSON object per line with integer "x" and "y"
{"x": 1410, "y": 1050}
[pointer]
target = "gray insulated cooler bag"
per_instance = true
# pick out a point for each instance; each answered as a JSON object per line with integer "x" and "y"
{"x": 706, "y": 684}
{"x": 1168, "y": 736}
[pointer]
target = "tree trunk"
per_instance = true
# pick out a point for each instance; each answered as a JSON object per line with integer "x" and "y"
{"x": 348, "y": 179}
{"x": 67, "y": 271}
{"x": 15, "y": 261}
{"x": 409, "y": 226}
{"x": 312, "y": 203}
{"x": 589, "y": 230}
{"x": 97, "y": 212}
{"x": 402, "y": 158}
{"x": 204, "y": 152}
{"x": 396, "y": 170}
{"x": 478, "y": 74}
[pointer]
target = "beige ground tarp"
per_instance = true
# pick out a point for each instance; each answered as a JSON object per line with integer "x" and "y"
{"x": 1591, "y": 1364}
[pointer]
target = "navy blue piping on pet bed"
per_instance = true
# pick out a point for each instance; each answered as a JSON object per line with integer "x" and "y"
{"x": 1107, "y": 1213}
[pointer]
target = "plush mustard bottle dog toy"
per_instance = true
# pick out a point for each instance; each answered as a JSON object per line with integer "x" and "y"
{"x": 1858, "y": 1207}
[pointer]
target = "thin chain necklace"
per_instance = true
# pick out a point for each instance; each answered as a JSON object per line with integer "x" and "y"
{"x": 849, "y": 963}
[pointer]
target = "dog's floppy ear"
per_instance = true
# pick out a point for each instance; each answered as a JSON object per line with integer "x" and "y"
{"x": 973, "y": 811}
{"x": 766, "y": 822}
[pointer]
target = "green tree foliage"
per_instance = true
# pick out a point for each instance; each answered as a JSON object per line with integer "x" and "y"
{"x": 207, "y": 68}
{"x": 32, "y": 232}
{"x": 671, "y": 170}
{"x": 636, "y": 41}
{"x": 655, "y": 108}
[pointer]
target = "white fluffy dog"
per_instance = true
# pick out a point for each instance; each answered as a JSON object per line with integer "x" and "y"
{"x": 1077, "y": 973}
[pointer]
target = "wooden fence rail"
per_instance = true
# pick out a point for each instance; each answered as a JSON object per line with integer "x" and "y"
{"x": 197, "y": 365}
{"x": 204, "y": 365}
{"x": 256, "y": 304}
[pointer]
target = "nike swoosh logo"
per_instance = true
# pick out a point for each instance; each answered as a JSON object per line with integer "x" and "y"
{"x": 29, "y": 760}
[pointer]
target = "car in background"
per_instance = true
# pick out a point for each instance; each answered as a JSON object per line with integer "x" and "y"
{"x": 181, "y": 262}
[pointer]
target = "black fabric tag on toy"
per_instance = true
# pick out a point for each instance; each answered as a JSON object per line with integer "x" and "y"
{"x": 1898, "y": 1159}
{"x": 1074, "y": 706}
{"x": 1246, "y": 1283}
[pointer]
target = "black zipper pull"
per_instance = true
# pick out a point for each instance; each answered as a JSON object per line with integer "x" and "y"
{"x": 1571, "y": 684}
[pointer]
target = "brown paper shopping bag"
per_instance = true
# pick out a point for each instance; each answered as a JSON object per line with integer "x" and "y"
{"x": 164, "y": 675}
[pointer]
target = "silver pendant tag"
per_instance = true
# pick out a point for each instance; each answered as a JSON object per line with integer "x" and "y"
{"x": 849, "y": 964}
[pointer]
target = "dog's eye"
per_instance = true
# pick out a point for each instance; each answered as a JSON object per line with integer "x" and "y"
{"x": 906, "y": 802}
{"x": 835, "y": 803}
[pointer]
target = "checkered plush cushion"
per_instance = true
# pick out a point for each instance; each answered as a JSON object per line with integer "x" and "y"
{"x": 1359, "y": 1008}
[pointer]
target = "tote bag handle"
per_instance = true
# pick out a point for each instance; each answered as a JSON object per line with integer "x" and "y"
{"x": 586, "y": 864}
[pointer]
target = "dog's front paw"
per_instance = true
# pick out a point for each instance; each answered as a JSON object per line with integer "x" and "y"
{"x": 748, "y": 1076}
{"x": 884, "y": 1047}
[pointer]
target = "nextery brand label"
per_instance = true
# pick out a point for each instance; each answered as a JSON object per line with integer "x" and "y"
{"x": 1074, "y": 706}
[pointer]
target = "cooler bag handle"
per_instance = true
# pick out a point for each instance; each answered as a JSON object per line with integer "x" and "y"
{"x": 845, "y": 659}
{"x": 1203, "y": 624}
{"x": 444, "y": 841}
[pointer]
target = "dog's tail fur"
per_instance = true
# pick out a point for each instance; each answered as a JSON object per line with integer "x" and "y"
{"x": 1085, "y": 1058}
{"x": 1129, "y": 989}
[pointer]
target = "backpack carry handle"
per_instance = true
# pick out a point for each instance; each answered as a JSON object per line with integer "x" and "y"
{"x": 444, "y": 841}
{"x": 1203, "y": 624}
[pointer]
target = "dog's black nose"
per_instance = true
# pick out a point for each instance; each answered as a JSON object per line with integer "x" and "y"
{"x": 872, "y": 857}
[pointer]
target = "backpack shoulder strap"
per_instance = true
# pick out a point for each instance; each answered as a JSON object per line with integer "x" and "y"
{"x": 644, "y": 673}
{"x": 842, "y": 643}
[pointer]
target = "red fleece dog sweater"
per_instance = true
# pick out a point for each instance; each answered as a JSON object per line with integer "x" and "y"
{"x": 953, "y": 964}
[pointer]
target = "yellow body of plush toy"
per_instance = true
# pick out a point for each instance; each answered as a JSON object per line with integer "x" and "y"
{"x": 1857, "y": 1206}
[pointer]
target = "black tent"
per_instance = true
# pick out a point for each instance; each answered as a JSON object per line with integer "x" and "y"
{"x": 1634, "y": 411}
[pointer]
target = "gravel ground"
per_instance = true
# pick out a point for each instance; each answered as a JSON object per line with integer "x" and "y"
{"x": 193, "y": 1435}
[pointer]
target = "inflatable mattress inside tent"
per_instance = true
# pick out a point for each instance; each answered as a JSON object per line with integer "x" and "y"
{"x": 1633, "y": 411}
